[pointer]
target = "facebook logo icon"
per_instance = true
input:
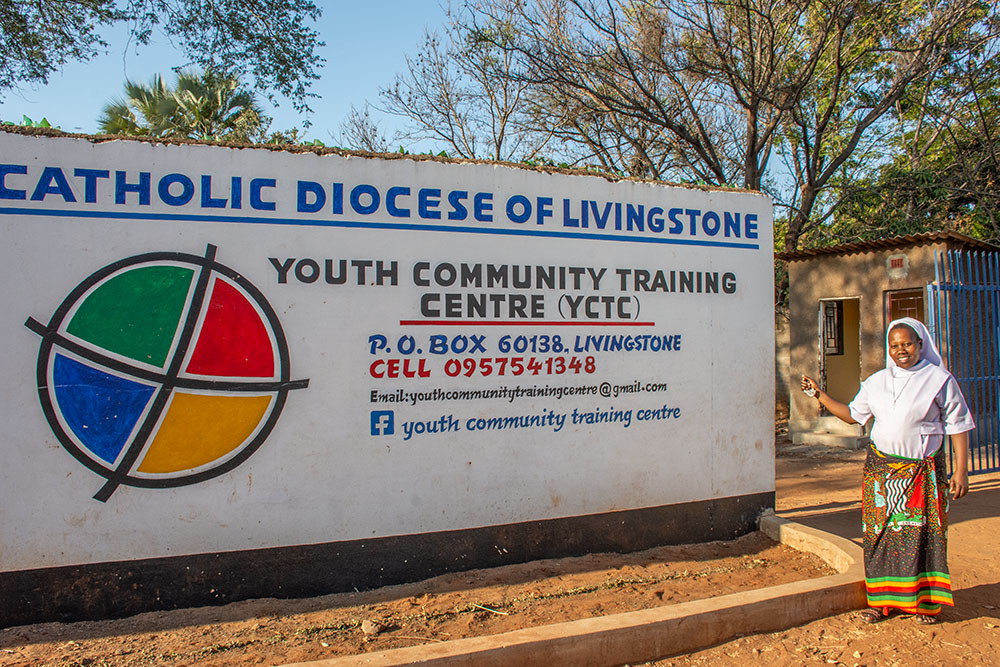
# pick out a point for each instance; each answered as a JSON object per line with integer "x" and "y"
{"x": 382, "y": 422}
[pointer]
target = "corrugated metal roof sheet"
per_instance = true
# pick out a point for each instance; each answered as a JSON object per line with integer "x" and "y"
{"x": 887, "y": 243}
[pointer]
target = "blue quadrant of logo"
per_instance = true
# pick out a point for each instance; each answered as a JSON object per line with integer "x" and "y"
{"x": 101, "y": 409}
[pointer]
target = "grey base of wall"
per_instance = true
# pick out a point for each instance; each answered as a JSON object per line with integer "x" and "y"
{"x": 114, "y": 590}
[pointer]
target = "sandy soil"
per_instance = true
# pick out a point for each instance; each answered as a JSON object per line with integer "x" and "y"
{"x": 816, "y": 486}
{"x": 819, "y": 486}
{"x": 269, "y": 631}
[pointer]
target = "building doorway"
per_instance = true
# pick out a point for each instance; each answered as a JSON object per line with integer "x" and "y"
{"x": 904, "y": 303}
{"x": 840, "y": 347}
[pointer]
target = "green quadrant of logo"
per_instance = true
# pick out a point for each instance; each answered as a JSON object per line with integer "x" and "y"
{"x": 135, "y": 313}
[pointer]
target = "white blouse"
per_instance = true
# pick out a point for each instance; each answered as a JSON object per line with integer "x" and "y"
{"x": 911, "y": 418}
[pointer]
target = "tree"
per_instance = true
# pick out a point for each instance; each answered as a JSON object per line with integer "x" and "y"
{"x": 602, "y": 141}
{"x": 707, "y": 90}
{"x": 694, "y": 90}
{"x": 880, "y": 53}
{"x": 460, "y": 91}
{"x": 208, "y": 106}
{"x": 945, "y": 172}
{"x": 265, "y": 40}
{"x": 144, "y": 111}
{"x": 359, "y": 132}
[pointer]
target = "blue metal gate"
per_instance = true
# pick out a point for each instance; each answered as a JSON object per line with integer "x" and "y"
{"x": 964, "y": 318}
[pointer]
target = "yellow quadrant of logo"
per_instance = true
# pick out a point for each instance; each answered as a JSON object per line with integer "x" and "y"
{"x": 199, "y": 429}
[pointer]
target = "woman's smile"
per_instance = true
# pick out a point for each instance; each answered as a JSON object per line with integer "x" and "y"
{"x": 903, "y": 349}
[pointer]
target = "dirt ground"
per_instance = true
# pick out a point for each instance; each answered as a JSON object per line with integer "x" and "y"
{"x": 815, "y": 485}
{"x": 819, "y": 487}
{"x": 480, "y": 602}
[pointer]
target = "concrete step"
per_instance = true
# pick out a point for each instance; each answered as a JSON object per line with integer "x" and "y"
{"x": 831, "y": 424}
{"x": 830, "y": 440}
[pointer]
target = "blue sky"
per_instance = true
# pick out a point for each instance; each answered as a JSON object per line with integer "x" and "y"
{"x": 366, "y": 45}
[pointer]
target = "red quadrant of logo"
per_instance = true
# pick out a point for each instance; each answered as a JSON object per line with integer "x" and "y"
{"x": 233, "y": 341}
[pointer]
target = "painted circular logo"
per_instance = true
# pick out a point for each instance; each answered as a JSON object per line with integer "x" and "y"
{"x": 162, "y": 370}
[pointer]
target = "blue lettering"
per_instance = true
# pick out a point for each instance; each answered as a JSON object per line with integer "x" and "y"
{"x": 544, "y": 209}
{"x": 750, "y": 222}
{"x": 427, "y": 199}
{"x": 187, "y": 189}
{"x": 53, "y": 181}
{"x": 731, "y": 224}
{"x": 236, "y": 185}
{"x": 256, "y": 185}
{"x": 634, "y": 217}
{"x": 207, "y": 200}
{"x": 710, "y": 223}
{"x": 522, "y": 201}
{"x": 693, "y": 214}
{"x": 123, "y": 187}
{"x": 371, "y": 206}
{"x": 390, "y": 202}
{"x": 90, "y": 177}
{"x": 338, "y": 198}
{"x": 654, "y": 219}
{"x": 307, "y": 190}
{"x": 676, "y": 226}
{"x": 458, "y": 212}
{"x": 568, "y": 219}
{"x": 600, "y": 218}
{"x": 483, "y": 206}
{"x": 5, "y": 192}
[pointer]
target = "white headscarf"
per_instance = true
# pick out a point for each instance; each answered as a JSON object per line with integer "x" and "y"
{"x": 928, "y": 350}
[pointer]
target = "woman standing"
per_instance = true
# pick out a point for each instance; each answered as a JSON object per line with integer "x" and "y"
{"x": 904, "y": 499}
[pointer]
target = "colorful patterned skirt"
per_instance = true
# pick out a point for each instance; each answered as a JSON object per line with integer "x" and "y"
{"x": 904, "y": 508}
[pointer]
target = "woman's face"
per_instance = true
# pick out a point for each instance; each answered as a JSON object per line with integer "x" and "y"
{"x": 904, "y": 347}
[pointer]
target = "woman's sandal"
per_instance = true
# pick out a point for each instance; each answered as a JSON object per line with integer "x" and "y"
{"x": 872, "y": 615}
{"x": 924, "y": 619}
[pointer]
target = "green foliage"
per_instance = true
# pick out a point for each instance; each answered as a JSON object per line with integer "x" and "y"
{"x": 37, "y": 38}
{"x": 842, "y": 133}
{"x": 707, "y": 92}
{"x": 403, "y": 151}
{"x": 269, "y": 42}
{"x": 209, "y": 106}
{"x": 292, "y": 137}
{"x": 897, "y": 202}
{"x": 944, "y": 171}
{"x": 780, "y": 286}
{"x": 904, "y": 199}
{"x": 542, "y": 161}
{"x": 27, "y": 122}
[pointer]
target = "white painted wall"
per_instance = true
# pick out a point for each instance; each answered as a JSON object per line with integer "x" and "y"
{"x": 321, "y": 475}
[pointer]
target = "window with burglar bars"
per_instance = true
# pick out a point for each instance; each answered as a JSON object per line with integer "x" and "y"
{"x": 833, "y": 327}
{"x": 904, "y": 303}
